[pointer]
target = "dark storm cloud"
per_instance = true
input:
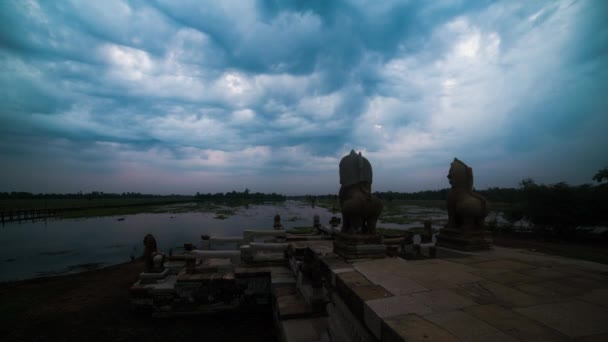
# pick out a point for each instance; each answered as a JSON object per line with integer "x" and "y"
{"x": 232, "y": 93}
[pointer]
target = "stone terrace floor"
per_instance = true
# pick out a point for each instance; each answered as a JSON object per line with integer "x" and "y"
{"x": 499, "y": 295}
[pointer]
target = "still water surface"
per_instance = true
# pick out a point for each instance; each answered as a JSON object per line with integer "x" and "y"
{"x": 32, "y": 249}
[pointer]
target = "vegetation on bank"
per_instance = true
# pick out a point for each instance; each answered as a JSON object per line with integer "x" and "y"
{"x": 96, "y": 203}
{"x": 301, "y": 230}
{"x": 239, "y": 197}
{"x": 553, "y": 210}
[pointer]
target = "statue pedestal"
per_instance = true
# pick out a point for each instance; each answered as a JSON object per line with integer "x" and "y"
{"x": 463, "y": 240}
{"x": 359, "y": 246}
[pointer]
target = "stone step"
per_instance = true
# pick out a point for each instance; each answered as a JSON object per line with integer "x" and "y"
{"x": 303, "y": 330}
{"x": 290, "y": 304}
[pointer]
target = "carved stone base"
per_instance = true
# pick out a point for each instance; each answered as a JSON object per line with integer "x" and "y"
{"x": 464, "y": 241}
{"x": 352, "y": 246}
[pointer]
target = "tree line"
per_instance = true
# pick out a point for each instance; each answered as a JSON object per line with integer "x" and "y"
{"x": 84, "y": 195}
{"x": 239, "y": 196}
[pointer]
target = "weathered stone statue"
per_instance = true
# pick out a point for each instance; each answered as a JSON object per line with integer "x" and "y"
{"x": 316, "y": 222}
{"x": 334, "y": 222}
{"x": 467, "y": 211}
{"x": 150, "y": 249}
{"x": 360, "y": 209}
{"x": 277, "y": 225}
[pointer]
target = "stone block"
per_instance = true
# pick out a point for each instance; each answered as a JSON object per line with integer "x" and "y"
{"x": 334, "y": 263}
{"x": 392, "y": 274}
{"x": 282, "y": 281}
{"x": 153, "y": 277}
{"x": 251, "y": 272}
{"x": 514, "y": 324}
{"x": 343, "y": 325}
{"x": 350, "y": 252}
{"x": 333, "y": 274}
{"x": 467, "y": 328}
{"x": 411, "y": 327}
{"x": 376, "y": 310}
{"x": 507, "y": 278}
{"x": 354, "y": 289}
{"x": 300, "y": 330}
{"x": 443, "y": 300}
{"x": 458, "y": 240}
{"x": 290, "y": 304}
{"x": 175, "y": 266}
{"x": 489, "y": 292}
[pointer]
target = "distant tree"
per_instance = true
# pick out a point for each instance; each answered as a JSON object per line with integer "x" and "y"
{"x": 601, "y": 175}
{"x": 527, "y": 183}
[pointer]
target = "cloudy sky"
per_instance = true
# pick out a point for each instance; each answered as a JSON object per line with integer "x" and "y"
{"x": 169, "y": 96}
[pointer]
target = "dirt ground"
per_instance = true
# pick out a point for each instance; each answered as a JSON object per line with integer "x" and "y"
{"x": 94, "y": 306}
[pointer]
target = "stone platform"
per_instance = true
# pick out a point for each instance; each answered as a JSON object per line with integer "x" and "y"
{"x": 319, "y": 295}
{"x": 465, "y": 241}
{"x": 351, "y": 246}
{"x": 498, "y": 295}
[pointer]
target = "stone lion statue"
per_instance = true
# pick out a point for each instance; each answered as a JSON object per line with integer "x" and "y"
{"x": 150, "y": 249}
{"x": 360, "y": 209}
{"x": 467, "y": 209}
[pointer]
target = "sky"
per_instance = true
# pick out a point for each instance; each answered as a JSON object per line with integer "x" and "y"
{"x": 168, "y": 96}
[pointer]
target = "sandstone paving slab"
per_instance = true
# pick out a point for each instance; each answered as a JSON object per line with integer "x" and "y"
{"x": 393, "y": 275}
{"x": 543, "y": 273}
{"x": 489, "y": 292}
{"x": 413, "y": 328}
{"x": 457, "y": 266}
{"x": 514, "y": 324}
{"x": 545, "y": 260}
{"x": 386, "y": 264}
{"x": 472, "y": 259}
{"x": 584, "y": 283}
{"x": 354, "y": 289}
{"x": 467, "y": 328}
{"x": 506, "y": 278}
{"x": 439, "y": 266}
{"x": 570, "y": 286}
{"x": 403, "y": 278}
{"x": 593, "y": 338}
{"x": 424, "y": 262}
{"x": 443, "y": 278}
{"x": 597, "y": 272}
{"x": 396, "y": 283}
{"x": 375, "y": 310}
{"x": 597, "y": 296}
{"x": 352, "y": 279}
{"x": 544, "y": 293}
{"x": 443, "y": 300}
{"x": 398, "y": 305}
{"x": 572, "y": 318}
{"x": 370, "y": 292}
{"x": 503, "y": 265}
